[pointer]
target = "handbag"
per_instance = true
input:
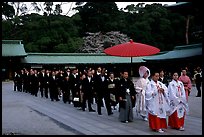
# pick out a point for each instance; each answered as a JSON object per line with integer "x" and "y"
{"x": 76, "y": 99}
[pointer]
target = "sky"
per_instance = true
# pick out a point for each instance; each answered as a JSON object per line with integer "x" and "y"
{"x": 66, "y": 6}
{"x": 119, "y": 5}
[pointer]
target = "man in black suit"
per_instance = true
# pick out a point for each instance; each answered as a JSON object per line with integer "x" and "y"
{"x": 42, "y": 81}
{"x": 163, "y": 78}
{"x": 22, "y": 79}
{"x": 67, "y": 72}
{"x": 101, "y": 88}
{"x": 34, "y": 83}
{"x": 26, "y": 81}
{"x": 15, "y": 78}
{"x": 19, "y": 80}
{"x": 47, "y": 82}
{"x": 53, "y": 87}
{"x": 87, "y": 90}
{"x": 66, "y": 89}
{"x": 198, "y": 81}
{"x": 75, "y": 86}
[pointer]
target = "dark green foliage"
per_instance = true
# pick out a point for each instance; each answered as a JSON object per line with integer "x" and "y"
{"x": 7, "y": 10}
{"x": 150, "y": 24}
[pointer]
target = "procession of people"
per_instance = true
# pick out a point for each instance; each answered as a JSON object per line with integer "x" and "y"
{"x": 152, "y": 99}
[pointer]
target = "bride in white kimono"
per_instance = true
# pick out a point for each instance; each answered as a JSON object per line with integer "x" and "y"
{"x": 140, "y": 87}
{"x": 157, "y": 103}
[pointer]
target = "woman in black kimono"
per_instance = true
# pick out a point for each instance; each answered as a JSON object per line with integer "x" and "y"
{"x": 112, "y": 90}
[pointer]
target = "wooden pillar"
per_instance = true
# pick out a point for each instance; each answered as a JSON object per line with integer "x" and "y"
{"x": 10, "y": 69}
{"x": 187, "y": 28}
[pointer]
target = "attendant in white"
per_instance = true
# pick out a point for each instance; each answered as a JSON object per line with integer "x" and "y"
{"x": 178, "y": 103}
{"x": 140, "y": 87}
{"x": 157, "y": 103}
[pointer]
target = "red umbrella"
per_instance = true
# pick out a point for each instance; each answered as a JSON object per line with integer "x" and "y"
{"x": 131, "y": 49}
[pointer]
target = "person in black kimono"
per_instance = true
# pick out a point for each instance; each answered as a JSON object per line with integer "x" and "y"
{"x": 101, "y": 88}
{"x": 87, "y": 91}
{"x": 112, "y": 89}
{"x": 126, "y": 96}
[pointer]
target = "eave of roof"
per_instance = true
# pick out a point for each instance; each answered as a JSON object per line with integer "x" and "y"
{"x": 77, "y": 58}
{"x": 13, "y": 50}
{"x": 179, "y": 52}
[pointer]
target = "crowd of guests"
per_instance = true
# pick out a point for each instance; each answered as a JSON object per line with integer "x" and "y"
{"x": 154, "y": 96}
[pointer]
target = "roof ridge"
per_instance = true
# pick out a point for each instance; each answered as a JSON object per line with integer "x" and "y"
{"x": 190, "y": 46}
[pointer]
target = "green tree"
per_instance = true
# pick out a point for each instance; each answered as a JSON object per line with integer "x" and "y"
{"x": 58, "y": 9}
{"x": 101, "y": 15}
{"x": 48, "y": 8}
{"x": 7, "y": 11}
{"x": 151, "y": 24}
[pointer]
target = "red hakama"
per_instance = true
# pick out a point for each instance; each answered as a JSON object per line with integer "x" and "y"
{"x": 156, "y": 123}
{"x": 176, "y": 122}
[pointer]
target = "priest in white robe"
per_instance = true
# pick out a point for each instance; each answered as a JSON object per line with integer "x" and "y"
{"x": 157, "y": 103}
{"x": 178, "y": 103}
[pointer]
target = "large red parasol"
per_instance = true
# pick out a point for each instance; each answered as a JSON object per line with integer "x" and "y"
{"x": 131, "y": 49}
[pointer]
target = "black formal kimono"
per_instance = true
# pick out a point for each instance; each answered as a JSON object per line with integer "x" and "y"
{"x": 126, "y": 91}
{"x": 113, "y": 89}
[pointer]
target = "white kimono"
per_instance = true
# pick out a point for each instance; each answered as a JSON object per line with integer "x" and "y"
{"x": 157, "y": 103}
{"x": 140, "y": 87}
{"x": 177, "y": 98}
